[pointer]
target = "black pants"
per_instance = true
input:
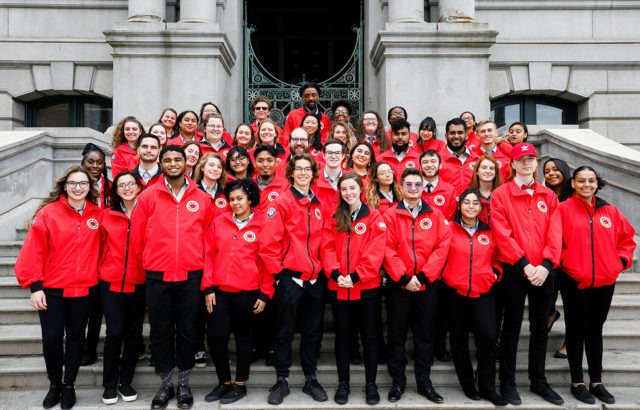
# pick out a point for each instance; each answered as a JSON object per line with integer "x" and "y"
{"x": 475, "y": 315}
{"x": 585, "y": 311}
{"x": 359, "y": 314}
{"x": 442, "y": 324}
{"x": 173, "y": 309}
{"x": 264, "y": 331}
{"x": 418, "y": 310}
{"x": 201, "y": 325}
{"x": 233, "y": 311}
{"x": 124, "y": 314}
{"x": 63, "y": 316}
{"x": 94, "y": 323}
{"x": 515, "y": 287}
{"x": 293, "y": 301}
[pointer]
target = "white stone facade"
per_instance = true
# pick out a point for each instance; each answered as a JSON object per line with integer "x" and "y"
{"x": 587, "y": 52}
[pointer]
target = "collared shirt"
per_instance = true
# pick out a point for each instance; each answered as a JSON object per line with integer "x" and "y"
{"x": 80, "y": 210}
{"x": 490, "y": 151}
{"x": 310, "y": 195}
{"x": 124, "y": 209}
{"x": 415, "y": 210}
{"x": 333, "y": 181}
{"x": 462, "y": 157}
{"x": 146, "y": 175}
{"x": 211, "y": 190}
{"x": 433, "y": 183}
{"x": 401, "y": 154}
{"x": 180, "y": 194}
{"x": 388, "y": 195}
{"x": 354, "y": 214}
{"x": 242, "y": 223}
{"x": 469, "y": 228}
{"x": 370, "y": 138}
{"x": 520, "y": 182}
{"x": 264, "y": 185}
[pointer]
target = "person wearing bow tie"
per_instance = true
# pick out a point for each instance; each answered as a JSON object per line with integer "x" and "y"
{"x": 529, "y": 232}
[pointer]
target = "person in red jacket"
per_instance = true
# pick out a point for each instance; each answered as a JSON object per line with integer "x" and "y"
{"x": 488, "y": 133}
{"x": 427, "y": 137}
{"x": 486, "y": 179}
{"x": 187, "y": 129}
{"x": 268, "y": 133}
{"x": 400, "y": 156}
{"x": 310, "y": 94}
{"x": 470, "y": 129}
{"x": 213, "y": 140}
{"x": 471, "y": 270}
{"x": 418, "y": 239}
{"x": 597, "y": 245}
{"x": 270, "y": 184}
{"x": 458, "y": 160}
{"x": 371, "y": 130}
{"x": 147, "y": 169}
{"x": 383, "y": 191}
{"x": 292, "y": 255}
{"x": 121, "y": 284}
{"x": 528, "y": 229}
{"x": 125, "y": 139}
{"x": 261, "y": 107}
{"x": 437, "y": 193}
{"x": 351, "y": 241}
{"x": 59, "y": 262}
{"x": 237, "y": 286}
{"x": 167, "y": 230}
{"x": 326, "y": 187}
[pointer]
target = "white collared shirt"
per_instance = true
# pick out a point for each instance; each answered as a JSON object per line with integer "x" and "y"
{"x": 180, "y": 194}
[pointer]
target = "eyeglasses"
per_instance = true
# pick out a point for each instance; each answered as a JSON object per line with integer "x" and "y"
{"x": 261, "y": 108}
{"x": 341, "y": 112}
{"x": 214, "y": 126}
{"x": 126, "y": 185}
{"x": 300, "y": 170}
{"x": 471, "y": 203}
{"x": 412, "y": 185}
{"x": 239, "y": 158}
{"x": 466, "y": 118}
{"x": 397, "y": 114}
{"x": 299, "y": 140}
{"x": 369, "y": 120}
{"x": 333, "y": 153}
{"x": 383, "y": 173}
{"x": 75, "y": 184}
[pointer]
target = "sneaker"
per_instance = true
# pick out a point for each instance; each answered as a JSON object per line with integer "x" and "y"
{"x": 68, "y": 396}
{"x": 545, "y": 391}
{"x": 278, "y": 391}
{"x": 581, "y": 393}
{"x": 342, "y": 393}
{"x": 510, "y": 394}
{"x": 127, "y": 393}
{"x": 235, "y": 393}
{"x": 371, "y": 394}
{"x": 53, "y": 396}
{"x": 201, "y": 359}
{"x": 602, "y": 394}
{"x": 217, "y": 393}
{"x": 315, "y": 390}
{"x": 110, "y": 395}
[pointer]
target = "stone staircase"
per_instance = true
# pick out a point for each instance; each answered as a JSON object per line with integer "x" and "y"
{"x": 23, "y": 380}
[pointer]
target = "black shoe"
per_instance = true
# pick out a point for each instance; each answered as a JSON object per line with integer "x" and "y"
{"x": 68, "y": 397}
{"x": 559, "y": 355}
{"x": 268, "y": 360}
{"x": 278, "y": 391}
{"x": 602, "y": 394}
{"x": 234, "y": 394}
{"x": 217, "y": 393}
{"x": 430, "y": 393}
{"x": 471, "y": 392}
{"x": 315, "y": 390}
{"x": 127, "y": 393}
{"x": 185, "y": 398}
{"x": 581, "y": 393}
{"x": 342, "y": 393}
{"x": 443, "y": 356}
{"x": 510, "y": 394}
{"x": 53, "y": 396}
{"x": 395, "y": 393}
{"x": 545, "y": 391}
{"x": 110, "y": 395}
{"x": 201, "y": 359}
{"x": 494, "y": 398}
{"x": 355, "y": 357}
{"x": 88, "y": 359}
{"x": 371, "y": 394}
{"x": 162, "y": 397}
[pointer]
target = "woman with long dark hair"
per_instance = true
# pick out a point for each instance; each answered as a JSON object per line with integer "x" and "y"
{"x": 311, "y": 124}
{"x": 361, "y": 160}
{"x": 427, "y": 137}
{"x": 371, "y": 129}
{"x": 187, "y": 129}
{"x": 597, "y": 246}
{"x": 383, "y": 190}
{"x": 59, "y": 262}
{"x": 122, "y": 292}
{"x": 238, "y": 164}
{"x": 486, "y": 178}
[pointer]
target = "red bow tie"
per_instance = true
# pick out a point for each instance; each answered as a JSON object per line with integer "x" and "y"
{"x": 532, "y": 185}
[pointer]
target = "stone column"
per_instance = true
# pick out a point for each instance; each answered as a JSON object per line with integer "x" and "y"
{"x": 456, "y": 11}
{"x": 406, "y": 11}
{"x": 147, "y": 10}
{"x": 198, "y": 11}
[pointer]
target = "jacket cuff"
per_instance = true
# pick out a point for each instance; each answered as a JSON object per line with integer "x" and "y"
{"x": 354, "y": 277}
{"x": 209, "y": 290}
{"x": 335, "y": 274}
{"x": 422, "y": 278}
{"x": 263, "y": 297}
{"x": 404, "y": 280}
{"x": 623, "y": 260}
{"x": 522, "y": 262}
{"x": 547, "y": 264}
{"x": 36, "y": 286}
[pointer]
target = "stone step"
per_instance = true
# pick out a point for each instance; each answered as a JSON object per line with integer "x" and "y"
{"x": 6, "y": 265}
{"x": 89, "y": 399}
{"x": 10, "y": 248}
{"x": 622, "y": 369}
{"x": 9, "y": 289}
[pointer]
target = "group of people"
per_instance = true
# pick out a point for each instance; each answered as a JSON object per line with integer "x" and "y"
{"x": 252, "y": 233}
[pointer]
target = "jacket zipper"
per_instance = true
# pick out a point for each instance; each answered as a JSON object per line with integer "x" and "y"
{"x": 348, "y": 262}
{"x": 126, "y": 255}
{"x": 470, "y": 264}
{"x": 593, "y": 260}
{"x": 313, "y": 267}
{"x": 413, "y": 246}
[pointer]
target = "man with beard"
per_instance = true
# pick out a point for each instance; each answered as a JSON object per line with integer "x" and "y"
{"x": 458, "y": 161}
{"x": 270, "y": 184}
{"x": 298, "y": 144}
{"x": 400, "y": 157}
{"x": 310, "y": 94}
{"x": 147, "y": 170}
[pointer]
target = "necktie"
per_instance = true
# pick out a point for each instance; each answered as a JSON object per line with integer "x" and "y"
{"x": 429, "y": 188}
{"x": 532, "y": 185}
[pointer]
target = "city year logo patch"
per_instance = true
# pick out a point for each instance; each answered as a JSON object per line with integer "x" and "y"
{"x": 192, "y": 206}
{"x": 606, "y": 222}
{"x": 426, "y": 223}
{"x": 542, "y": 207}
{"x": 483, "y": 239}
{"x": 472, "y": 165}
{"x": 272, "y": 196}
{"x": 271, "y": 212}
{"x": 249, "y": 236}
{"x": 360, "y": 228}
{"x": 221, "y": 202}
{"x": 92, "y": 223}
{"x": 410, "y": 164}
{"x": 438, "y": 200}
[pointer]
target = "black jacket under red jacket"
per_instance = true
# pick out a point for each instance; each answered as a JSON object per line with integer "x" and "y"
{"x": 294, "y": 232}
{"x": 61, "y": 250}
{"x": 118, "y": 263}
{"x": 415, "y": 247}
{"x": 356, "y": 253}
{"x": 232, "y": 261}
{"x": 597, "y": 242}
{"x": 168, "y": 236}
{"x": 472, "y": 263}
